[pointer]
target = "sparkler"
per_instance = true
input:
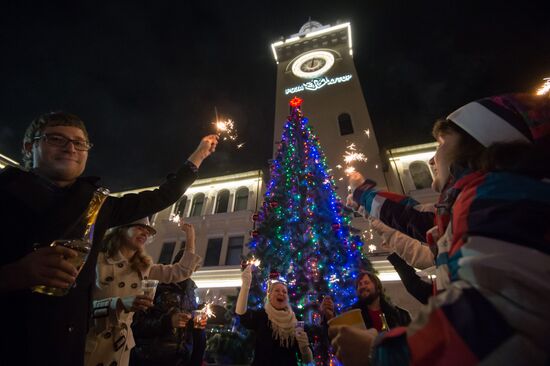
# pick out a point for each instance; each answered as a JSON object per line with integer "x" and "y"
{"x": 226, "y": 130}
{"x": 351, "y": 156}
{"x": 545, "y": 88}
{"x": 254, "y": 262}
{"x": 207, "y": 310}
{"x": 349, "y": 170}
{"x": 174, "y": 218}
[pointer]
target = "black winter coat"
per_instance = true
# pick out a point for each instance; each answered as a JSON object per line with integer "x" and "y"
{"x": 395, "y": 316}
{"x": 157, "y": 342}
{"x": 48, "y": 330}
{"x": 267, "y": 350}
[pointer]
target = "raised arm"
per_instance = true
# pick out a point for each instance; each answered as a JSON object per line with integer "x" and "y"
{"x": 242, "y": 300}
{"x": 184, "y": 268}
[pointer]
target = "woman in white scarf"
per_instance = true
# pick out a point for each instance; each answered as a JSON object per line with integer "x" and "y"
{"x": 277, "y": 337}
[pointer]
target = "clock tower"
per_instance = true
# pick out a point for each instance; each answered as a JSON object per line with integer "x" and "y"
{"x": 317, "y": 65}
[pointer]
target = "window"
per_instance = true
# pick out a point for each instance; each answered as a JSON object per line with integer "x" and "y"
{"x": 420, "y": 174}
{"x": 345, "y": 125}
{"x": 152, "y": 218}
{"x": 222, "y": 201}
{"x": 166, "y": 252}
{"x": 234, "y": 250}
{"x": 213, "y": 250}
{"x": 180, "y": 207}
{"x": 241, "y": 199}
{"x": 196, "y": 206}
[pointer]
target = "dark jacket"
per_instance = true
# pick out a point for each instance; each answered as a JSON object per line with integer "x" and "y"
{"x": 267, "y": 350}
{"x": 395, "y": 316}
{"x": 157, "y": 342}
{"x": 418, "y": 288}
{"x": 49, "y": 330}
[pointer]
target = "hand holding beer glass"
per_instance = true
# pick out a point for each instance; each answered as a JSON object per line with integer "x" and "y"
{"x": 180, "y": 319}
{"x": 149, "y": 288}
{"x": 76, "y": 257}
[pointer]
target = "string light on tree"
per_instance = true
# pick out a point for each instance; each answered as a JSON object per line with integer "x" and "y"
{"x": 303, "y": 231}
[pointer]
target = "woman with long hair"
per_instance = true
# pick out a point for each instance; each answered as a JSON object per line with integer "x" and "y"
{"x": 121, "y": 267}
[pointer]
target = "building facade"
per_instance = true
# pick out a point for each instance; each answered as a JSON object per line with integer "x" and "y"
{"x": 220, "y": 209}
{"x": 316, "y": 64}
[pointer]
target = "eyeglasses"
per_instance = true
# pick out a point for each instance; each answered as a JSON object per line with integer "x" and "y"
{"x": 62, "y": 141}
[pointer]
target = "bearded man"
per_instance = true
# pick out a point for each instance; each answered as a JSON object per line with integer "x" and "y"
{"x": 377, "y": 311}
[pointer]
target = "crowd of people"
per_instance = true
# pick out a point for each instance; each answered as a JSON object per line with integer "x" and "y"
{"x": 486, "y": 240}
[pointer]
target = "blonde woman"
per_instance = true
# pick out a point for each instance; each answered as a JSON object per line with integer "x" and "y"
{"x": 278, "y": 339}
{"x": 117, "y": 293}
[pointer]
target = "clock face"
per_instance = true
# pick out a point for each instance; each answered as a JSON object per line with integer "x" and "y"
{"x": 312, "y": 64}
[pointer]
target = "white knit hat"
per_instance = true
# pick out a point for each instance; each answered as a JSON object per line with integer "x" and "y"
{"x": 494, "y": 119}
{"x": 505, "y": 118}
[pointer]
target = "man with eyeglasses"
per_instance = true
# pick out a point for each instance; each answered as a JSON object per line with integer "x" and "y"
{"x": 39, "y": 205}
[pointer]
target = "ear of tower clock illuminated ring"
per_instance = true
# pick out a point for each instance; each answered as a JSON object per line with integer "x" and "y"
{"x": 312, "y": 64}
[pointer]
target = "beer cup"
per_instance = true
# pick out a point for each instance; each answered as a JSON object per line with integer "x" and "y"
{"x": 149, "y": 288}
{"x": 82, "y": 248}
{"x": 352, "y": 318}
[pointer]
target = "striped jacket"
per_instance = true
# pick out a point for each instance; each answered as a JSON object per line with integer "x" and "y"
{"x": 493, "y": 262}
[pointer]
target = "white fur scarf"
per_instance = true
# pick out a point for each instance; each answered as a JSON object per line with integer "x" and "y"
{"x": 283, "y": 324}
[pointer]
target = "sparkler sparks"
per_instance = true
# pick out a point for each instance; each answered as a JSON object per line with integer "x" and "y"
{"x": 351, "y": 156}
{"x": 349, "y": 170}
{"x": 175, "y": 218}
{"x": 226, "y": 130}
{"x": 207, "y": 310}
{"x": 254, "y": 262}
{"x": 367, "y": 132}
{"x": 545, "y": 88}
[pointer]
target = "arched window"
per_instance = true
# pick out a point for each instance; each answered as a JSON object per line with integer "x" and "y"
{"x": 222, "y": 201}
{"x": 345, "y": 125}
{"x": 241, "y": 199}
{"x": 196, "y": 206}
{"x": 420, "y": 173}
{"x": 180, "y": 206}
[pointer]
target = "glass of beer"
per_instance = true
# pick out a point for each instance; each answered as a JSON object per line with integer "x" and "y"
{"x": 82, "y": 248}
{"x": 149, "y": 288}
{"x": 198, "y": 317}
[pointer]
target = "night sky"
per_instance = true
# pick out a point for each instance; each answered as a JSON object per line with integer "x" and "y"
{"x": 145, "y": 76}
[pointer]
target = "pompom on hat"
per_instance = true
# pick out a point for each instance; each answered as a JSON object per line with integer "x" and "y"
{"x": 506, "y": 118}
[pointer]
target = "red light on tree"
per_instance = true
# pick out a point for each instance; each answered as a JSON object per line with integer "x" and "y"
{"x": 296, "y": 102}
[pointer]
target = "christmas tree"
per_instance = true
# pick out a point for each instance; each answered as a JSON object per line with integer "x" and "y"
{"x": 303, "y": 232}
